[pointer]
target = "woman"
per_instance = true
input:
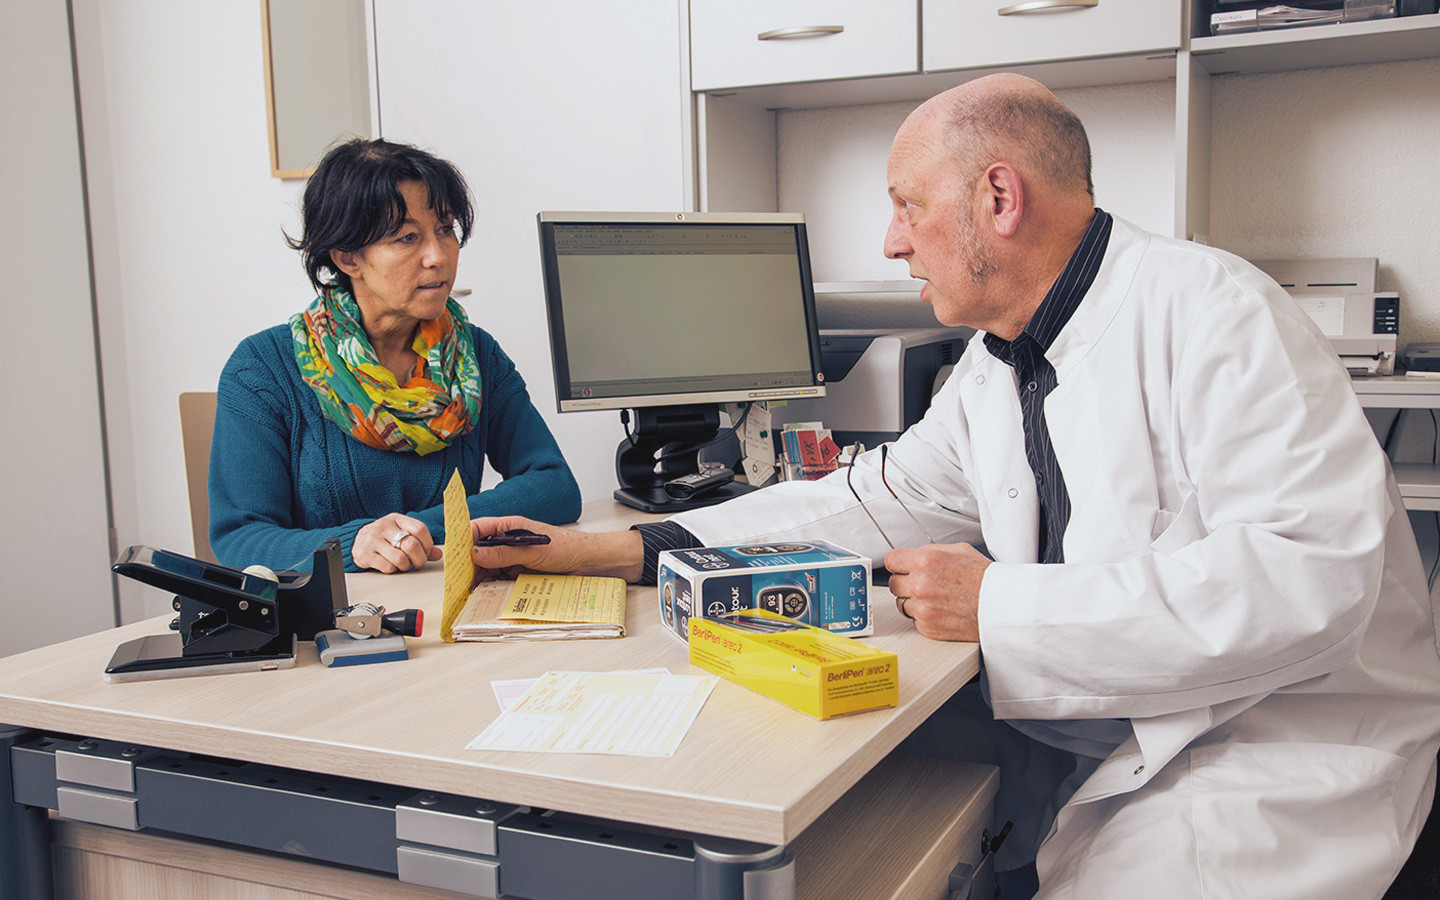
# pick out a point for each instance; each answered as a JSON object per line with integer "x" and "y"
{"x": 349, "y": 421}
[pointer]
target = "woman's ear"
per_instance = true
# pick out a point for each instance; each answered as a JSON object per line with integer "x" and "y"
{"x": 344, "y": 261}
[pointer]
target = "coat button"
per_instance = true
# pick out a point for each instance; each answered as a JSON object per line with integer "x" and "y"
{"x": 1013, "y": 492}
{"x": 1139, "y": 769}
{"x": 979, "y": 379}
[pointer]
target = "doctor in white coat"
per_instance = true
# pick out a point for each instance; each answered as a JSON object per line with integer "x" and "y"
{"x": 1149, "y": 492}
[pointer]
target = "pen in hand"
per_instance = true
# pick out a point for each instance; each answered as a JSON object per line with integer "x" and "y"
{"x": 515, "y": 537}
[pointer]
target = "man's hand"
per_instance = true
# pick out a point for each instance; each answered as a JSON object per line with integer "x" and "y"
{"x": 942, "y": 584}
{"x": 616, "y": 553}
{"x": 393, "y": 543}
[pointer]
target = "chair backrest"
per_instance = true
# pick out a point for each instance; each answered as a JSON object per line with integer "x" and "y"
{"x": 197, "y": 423}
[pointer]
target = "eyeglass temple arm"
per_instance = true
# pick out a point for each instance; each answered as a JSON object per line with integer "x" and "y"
{"x": 884, "y": 455}
{"x": 850, "y": 470}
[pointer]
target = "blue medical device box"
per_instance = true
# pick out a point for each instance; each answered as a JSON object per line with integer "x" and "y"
{"x": 814, "y": 582}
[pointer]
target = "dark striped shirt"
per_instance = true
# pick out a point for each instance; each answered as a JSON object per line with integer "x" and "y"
{"x": 1036, "y": 378}
{"x": 658, "y": 536}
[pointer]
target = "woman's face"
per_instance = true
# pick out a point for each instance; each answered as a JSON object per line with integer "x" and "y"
{"x": 407, "y": 275}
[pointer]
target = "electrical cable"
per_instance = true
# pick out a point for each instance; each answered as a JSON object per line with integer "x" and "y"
{"x": 1434, "y": 459}
{"x": 715, "y": 440}
{"x": 1390, "y": 432}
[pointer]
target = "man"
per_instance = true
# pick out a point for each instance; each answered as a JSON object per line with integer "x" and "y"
{"x": 1157, "y": 505}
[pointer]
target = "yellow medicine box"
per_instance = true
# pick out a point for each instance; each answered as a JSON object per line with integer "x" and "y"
{"x": 804, "y": 667}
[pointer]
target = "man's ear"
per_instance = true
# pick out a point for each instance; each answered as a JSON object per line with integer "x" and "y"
{"x": 344, "y": 261}
{"x": 1005, "y": 198}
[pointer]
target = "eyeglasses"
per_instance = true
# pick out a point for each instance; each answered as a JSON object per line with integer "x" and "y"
{"x": 850, "y": 471}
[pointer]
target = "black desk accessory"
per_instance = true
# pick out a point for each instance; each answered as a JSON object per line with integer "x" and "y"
{"x": 228, "y": 619}
{"x": 663, "y": 449}
{"x": 1422, "y": 357}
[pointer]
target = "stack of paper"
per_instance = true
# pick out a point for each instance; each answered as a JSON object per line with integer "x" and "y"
{"x": 757, "y": 450}
{"x": 600, "y": 712}
{"x": 1291, "y": 16}
{"x": 543, "y": 608}
{"x": 530, "y": 608}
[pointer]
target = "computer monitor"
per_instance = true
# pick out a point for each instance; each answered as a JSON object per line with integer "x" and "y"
{"x": 671, "y": 315}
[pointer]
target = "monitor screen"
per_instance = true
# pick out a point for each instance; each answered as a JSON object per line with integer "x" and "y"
{"x": 664, "y": 309}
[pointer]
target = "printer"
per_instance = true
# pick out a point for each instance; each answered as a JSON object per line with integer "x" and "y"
{"x": 884, "y": 356}
{"x": 878, "y": 382}
{"x": 1339, "y": 295}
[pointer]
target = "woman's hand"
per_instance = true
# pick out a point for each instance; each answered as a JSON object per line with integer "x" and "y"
{"x": 617, "y": 553}
{"x": 394, "y": 543}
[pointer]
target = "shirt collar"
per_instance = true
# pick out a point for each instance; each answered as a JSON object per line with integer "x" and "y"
{"x": 1065, "y": 294}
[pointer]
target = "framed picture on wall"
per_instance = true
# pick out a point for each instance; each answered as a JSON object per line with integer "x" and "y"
{"x": 318, "y": 79}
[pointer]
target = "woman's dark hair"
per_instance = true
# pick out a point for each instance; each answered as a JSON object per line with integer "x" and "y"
{"x": 354, "y": 200}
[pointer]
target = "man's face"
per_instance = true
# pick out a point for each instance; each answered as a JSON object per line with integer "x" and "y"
{"x": 934, "y": 228}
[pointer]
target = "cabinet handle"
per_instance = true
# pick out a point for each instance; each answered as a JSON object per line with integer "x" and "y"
{"x": 1045, "y": 6}
{"x": 801, "y": 31}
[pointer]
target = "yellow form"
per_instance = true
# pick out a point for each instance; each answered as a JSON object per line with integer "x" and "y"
{"x": 459, "y": 565}
{"x": 566, "y": 598}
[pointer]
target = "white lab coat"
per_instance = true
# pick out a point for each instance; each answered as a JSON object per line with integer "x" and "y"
{"x": 1240, "y": 581}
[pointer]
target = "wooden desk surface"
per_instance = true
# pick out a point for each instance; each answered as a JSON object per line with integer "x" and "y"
{"x": 750, "y": 768}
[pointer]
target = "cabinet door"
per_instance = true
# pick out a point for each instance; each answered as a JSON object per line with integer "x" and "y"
{"x": 734, "y": 43}
{"x": 56, "y": 554}
{"x": 977, "y": 33}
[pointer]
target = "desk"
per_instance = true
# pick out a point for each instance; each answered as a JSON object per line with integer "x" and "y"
{"x": 749, "y": 770}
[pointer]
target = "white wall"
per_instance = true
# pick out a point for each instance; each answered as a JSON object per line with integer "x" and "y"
{"x": 543, "y": 106}
{"x": 1335, "y": 162}
{"x": 832, "y": 169}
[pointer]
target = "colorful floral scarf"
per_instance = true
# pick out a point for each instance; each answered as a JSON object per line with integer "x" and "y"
{"x": 440, "y": 402}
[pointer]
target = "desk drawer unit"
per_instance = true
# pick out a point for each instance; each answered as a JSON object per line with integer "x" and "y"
{"x": 380, "y": 834}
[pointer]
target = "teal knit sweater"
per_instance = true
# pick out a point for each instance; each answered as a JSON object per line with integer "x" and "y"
{"x": 283, "y": 478}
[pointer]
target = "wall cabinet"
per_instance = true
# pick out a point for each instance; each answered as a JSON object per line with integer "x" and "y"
{"x": 747, "y": 42}
{"x": 1127, "y": 41}
{"x": 1006, "y": 32}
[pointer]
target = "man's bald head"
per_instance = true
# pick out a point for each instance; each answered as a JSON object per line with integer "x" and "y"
{"x": 1012, "y": 118}
{"x": 990, "y": 185}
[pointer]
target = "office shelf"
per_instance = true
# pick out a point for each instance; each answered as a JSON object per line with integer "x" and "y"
{"x": 1419, "y": 482}
{"x": 1315, "y": 46}
{"x": 1397, "y": 392}
{"x": 1419, "y": 485}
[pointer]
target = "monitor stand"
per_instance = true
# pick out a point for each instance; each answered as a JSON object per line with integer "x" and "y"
{"x": 666, "y": 444}
{"x": 655, "y": 500}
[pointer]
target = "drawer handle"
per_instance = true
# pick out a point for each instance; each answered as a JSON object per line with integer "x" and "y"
{"x": 1046, "y": 6}
{"x": 801, "y": 31}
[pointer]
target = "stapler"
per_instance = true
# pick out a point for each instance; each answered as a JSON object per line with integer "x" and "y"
{"x": 227, "y": 619}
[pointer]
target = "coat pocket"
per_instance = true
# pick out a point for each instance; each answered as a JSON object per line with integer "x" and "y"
{"x": 1295, "y": 819}
{"x": 1174, "y": 530}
